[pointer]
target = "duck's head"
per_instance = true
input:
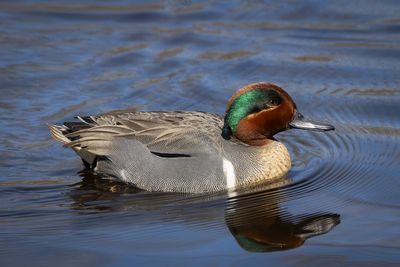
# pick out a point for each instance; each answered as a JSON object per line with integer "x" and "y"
{"x": 258, "y": 111}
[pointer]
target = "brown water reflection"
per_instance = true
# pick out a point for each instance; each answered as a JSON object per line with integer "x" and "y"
{"x": 264, "y": 227}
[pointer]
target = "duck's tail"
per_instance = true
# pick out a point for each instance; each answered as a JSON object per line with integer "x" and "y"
{"x": 60, "y": 134}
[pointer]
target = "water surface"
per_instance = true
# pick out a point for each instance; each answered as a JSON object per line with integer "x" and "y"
{"x": 339, "y": 61}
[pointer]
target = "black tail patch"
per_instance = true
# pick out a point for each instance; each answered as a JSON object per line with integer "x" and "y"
{"x": 96, "y": 160}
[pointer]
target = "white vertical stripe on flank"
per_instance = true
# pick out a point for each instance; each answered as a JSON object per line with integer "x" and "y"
{"x": 229, "y": 172}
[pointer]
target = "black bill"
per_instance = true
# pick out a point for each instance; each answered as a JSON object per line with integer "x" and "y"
{"x": 299, "y": 123}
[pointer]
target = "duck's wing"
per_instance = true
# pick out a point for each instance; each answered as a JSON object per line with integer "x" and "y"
{"x": 180, "y": 132}
{"x": 156, "y": 151}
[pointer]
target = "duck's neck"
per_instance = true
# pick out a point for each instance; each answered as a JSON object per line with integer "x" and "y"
{"x": 251, "y": 135}
{"x": 253, "y": 138}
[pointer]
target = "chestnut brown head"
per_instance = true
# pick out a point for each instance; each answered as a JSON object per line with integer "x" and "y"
{"x": 260, "y": 110}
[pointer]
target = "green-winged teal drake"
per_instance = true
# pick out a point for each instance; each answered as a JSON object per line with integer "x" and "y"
{"x": 190, "y": 151}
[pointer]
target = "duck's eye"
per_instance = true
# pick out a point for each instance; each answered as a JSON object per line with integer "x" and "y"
{"x": 272, "y": 102}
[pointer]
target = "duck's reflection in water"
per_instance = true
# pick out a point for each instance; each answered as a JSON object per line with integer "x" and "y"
{"x": 259, "y": 224}
{"x": 254, "y": 217}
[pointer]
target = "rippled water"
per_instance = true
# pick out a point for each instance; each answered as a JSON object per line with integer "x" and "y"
{"x": 340, "y": 62}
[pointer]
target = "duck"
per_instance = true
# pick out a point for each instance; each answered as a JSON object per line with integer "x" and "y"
{"x": 191, "y": 151}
